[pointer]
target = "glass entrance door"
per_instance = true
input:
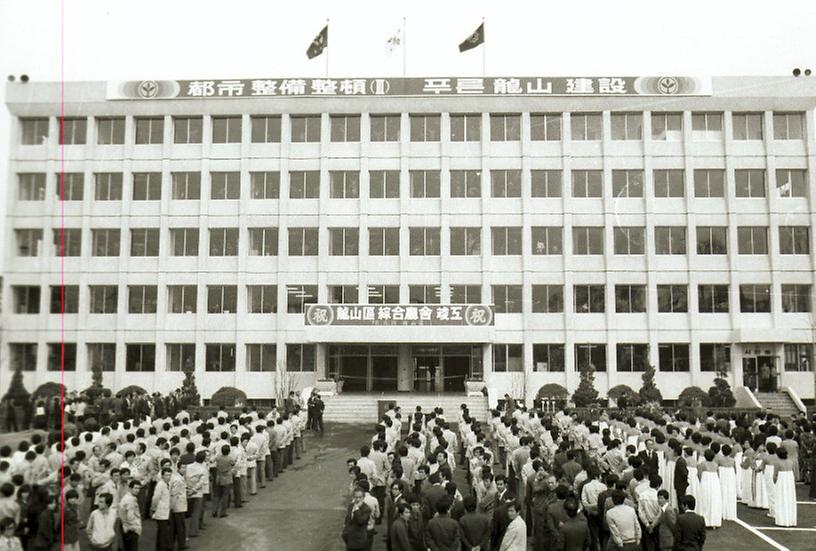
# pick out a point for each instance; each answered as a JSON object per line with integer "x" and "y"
{"x": 767, "y": 373}
{"x": 457, "y": 369}
{"x": 384, "y": 372}
{"x": 749, "y": 373}
{"x": 354, "y": 373}
{"x": 425, "y": 373}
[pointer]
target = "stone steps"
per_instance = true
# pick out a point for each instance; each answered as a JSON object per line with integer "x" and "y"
{"x": 777, "y": 402}
{"x": 362, "y": 408}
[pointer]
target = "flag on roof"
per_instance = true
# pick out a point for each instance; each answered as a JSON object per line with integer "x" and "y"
{"x": 477, "y": 37}
{"x": 320, "y": 43}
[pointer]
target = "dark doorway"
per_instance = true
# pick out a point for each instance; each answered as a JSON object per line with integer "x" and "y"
{"x": 384, "y": 373}
{"x": 767, "y": 374}
{"x": 457, "y": 369}
{"x": 750, "y": 375}
{"x": 425, "y": 373}
{"x": 354, "y": 373}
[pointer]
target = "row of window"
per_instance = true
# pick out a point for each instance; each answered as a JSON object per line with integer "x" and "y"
{"x": 464, "y": 127}
{"x": 422, "y": 241}
{"x": 263, "y": 299}
{"x": 423, "y": 184}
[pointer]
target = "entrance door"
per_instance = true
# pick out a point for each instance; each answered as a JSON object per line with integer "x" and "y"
{"x": 354, "y": 373}
{"x": 749, "y": 373}
{"x": 425, "y": 368}
{"x": 384, "y": 372}
{"x": 767, "y": 373}
{"x": 457, "y": 369}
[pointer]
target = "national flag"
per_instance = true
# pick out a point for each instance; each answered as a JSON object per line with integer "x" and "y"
{"x": 394, "y": 42}
{"x": 320, "y": 43}
{"x": 476, "y": 38}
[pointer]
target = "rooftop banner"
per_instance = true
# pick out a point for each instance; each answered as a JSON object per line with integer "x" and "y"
{"x": 412, "y": 87}
{"x": 479, "y": 315}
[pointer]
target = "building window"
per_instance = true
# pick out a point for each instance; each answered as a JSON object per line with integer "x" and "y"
{"x": 72, "y": 131}
{"x": 186, "y": 185}
{"x": 344, "y": 184}
{"x": 505, "y": 183}
{"x": 590, "y": 355}
{"x": 305, "y": 128}
{"x": 149, "y": 130}
{"x": 303, "y": 241}
{"x": 747, "y": 126}
{"x": 629, "y": 239}
{"x": 545, "y": 183}
{"x": 548, "y": 357}
{"x": 508, "y": 299}
{"x": 299, "y": 297}
{"x": 225, "y": 185}
{"x": 548, "y": 299}
{"x": 23, "y": 356}
{"x": 424, "y": 183}
{"x": 627, "y": 183}
{"x": 715, "y": 357}
{"x": 465, "y": 294}
{"x": 465, "y": 127}
{"x": 344, "y": 241}
{"x": 304, "y": 184}
{"x": 144, "y": 242}
{"x": 261, "y": 357}
{"x": 587, "y": 183}
{"x": 140, "y": 357}
{"x": 263, "y": 241}
{"x": 423, "y": 241}
{"x": 506, "y": 240}
{"x": 791, "y": 182}
{"x": 384, "y": 184}
{"x": 142, "y": 299}
{"x": 749, "y": 183}
{"x": 798, "y": 357}
{"x": 706, "y": 126}
{"x": 222, "y": 299}
{"x": 627, "y": 126}
{"x": 184, "y": 241}
{"x": 586, "y": 126}
{"x": 752, "y": 240}
{"x": 383, "y": 294}
{"x": 588, "y": 299}
{"x": 180, "y": 356}
{"x": 672, "y": 299}
{"x": 71, "y": 299}
{"x": 31, "y": 187}
{"x": 465, "y": 241}
{"x": 55, "y": 360}
{"x": 70, "y": 186}
{"x": 673, "y": 357}
{"x": 110, "y": 130}
{"x": 712, "y": 299}
{"x": 182, "y": 299}
{"x": 789, "y": 126}
{"x": 223, "y": 241}
{"x": 755, "y": 299}
{"x": 632, "y": 357}
{"x": 547, "y": 239}
{"x": 28, "y": 241}
{"x": 383, "y": 241}
{"x": 796, "y": 298}
{"x": 709, "y": 183}
{"x": 264, "y": 185}
{"x": 106, "y": 242}
{"x": 219, "y": 357}
{"x": 266, "y": 129}
{"x": 794, "y": 240}
{"x": 147, "y": 186}
{"x": 187, "y": 130}
{"x": 667, "y": 127}
{"x": 545, "y": 127}
{"x": 587, "y": 240}
{"x": 34, "y": 131}
{"x": 104, "y": 299}
{"x": 344, "y": 294}
{"x": 505, "y": 128}
{"x": 424, "y": 294}
{"x": 465, "y": 183}
{"x": 630, "y": 299}
{"x": 262, "y": 299}
{"x": 300, "y": 358}
{"x": 385, "y": 128}
{"x": 508, "y": 358}
{"x": 226, "y": 129}
{"x": 108, "y": 186}
{"x": 670, "y": 240}
{"x": 712, "y": 240}
{"x": 425, "y": 128}
{"x": 69, "y": 243}
{"x": 26, "y": 299}
{"x": 669, "y": 183}
{"x": 345, "y": 128}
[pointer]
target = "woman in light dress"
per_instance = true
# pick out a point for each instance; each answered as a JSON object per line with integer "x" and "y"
{"x": 668, "y": 480}
{"x": 784, "y": 490}
{"x": 760, "y": 490}
{"x": 768, "y": 469}
{"x": 709, "y": 505}
{"x": 746, "y": 474}
{"x": 728, "y": 482}
{"x": 693, "y": 479}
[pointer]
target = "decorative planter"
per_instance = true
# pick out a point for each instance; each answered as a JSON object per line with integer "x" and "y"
{"x": 474, "y": 388}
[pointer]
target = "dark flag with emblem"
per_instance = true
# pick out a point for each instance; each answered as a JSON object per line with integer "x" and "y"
{"x": 320, "y": 43}
{"x": 476, "y": 38}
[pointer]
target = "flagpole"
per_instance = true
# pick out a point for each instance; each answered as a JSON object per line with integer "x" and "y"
{"x": 484, "y": 50}
{"x": 327, "y": 48}
{"x": 404, "y": 47}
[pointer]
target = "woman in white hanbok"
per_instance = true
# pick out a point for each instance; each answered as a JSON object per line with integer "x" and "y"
{"x": 769, "y": 460}
{"x": 709, "y": 505}
{"x": 668, "y": 480}
{"x": 728, "y": 483}
{"x": 693, "y": 478}
{"x": 746, "y": 474}
{"x": 784, "y": 490}
{"x": 760, "y": 489}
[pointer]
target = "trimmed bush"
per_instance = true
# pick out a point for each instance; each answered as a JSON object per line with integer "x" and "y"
{"x": 624, "y": 396}
{"x": 649, "y": 392}
{"x": 132, "y": 389}
{"x": 553, "y": 391}
{"x": 46, "y": 391}
{"x": 694, "y": 396}
{"x": 586, "y": 394}
{"x": 228, "y": 396}
{"x": 17, "y": 392}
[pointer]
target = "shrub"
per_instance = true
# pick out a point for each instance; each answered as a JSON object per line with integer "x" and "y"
{"x": 694, "y": 396}
{"x": 720, "y": 394}
{"x": 553, "y": 391}
{"x": 228, "y": 396}
{"x": 189, "y": 391}
{"x": 46, "y": 391}
{"x": 17, "y": 392}
{"x": 649, "y": 392}
{"x": 586, "y": 394}
{"x": 132, "y": 389}
{"x": 624, "y": 396}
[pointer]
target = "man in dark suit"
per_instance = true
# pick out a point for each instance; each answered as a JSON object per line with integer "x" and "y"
{"x": 680, "y": 471}
{"x": 475, "y": 527}
{"x": 399, "y": 539}
{"x": 435, "y": 492}
{"x": 665, "y": 523}
{"x": 443, "y": 531}
{"x": 650, "y": 459}
{"x": 355, "y": 531}
{"x": 691, "y": 530}
{"x": 574, "y": 532}
{"x": 500, "y": 517}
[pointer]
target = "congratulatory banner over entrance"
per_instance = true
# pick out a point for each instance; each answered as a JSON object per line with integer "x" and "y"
{"x": 479, "y": 315}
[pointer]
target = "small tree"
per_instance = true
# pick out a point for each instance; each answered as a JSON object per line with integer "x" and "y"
{"x": 189, "y": 391}
{"x": 229, "y": 396}
{"x": 285, "y": 382}
{"x": 586, "y": 394}
{"x": 624, "y": 396}
{"x": 17, "y": 392}
{"x": 96, "y": 390}
{"x": 649, "y": 392}
{"x": 720, "y": 394}
{"x": 694, "y": 396}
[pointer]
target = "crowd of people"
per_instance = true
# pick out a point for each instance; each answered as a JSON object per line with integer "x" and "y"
{"x": 562, "y": 481}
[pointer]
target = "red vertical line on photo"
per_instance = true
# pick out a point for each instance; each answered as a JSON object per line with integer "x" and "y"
{"x": 62, "y": 272}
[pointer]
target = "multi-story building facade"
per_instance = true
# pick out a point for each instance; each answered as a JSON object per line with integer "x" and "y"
{"x": 617, "y": 228}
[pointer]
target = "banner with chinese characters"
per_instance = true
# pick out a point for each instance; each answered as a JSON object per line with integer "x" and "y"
{"x": 479, "y": 315}
{"x": 428, "y": 87}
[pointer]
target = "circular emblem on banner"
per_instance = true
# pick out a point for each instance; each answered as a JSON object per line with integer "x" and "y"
{"x": 477, "y": 314}
{"x": 148, "y": 89}
{"x": 320, "y": 315}
{"x": 667, "y": 85}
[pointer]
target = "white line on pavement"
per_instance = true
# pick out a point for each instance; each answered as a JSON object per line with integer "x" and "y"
{"x": 786, "y": 528}
{"x": 760, "y": 535}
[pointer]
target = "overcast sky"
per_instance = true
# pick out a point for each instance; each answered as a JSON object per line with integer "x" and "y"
{"x": 167, "y": 39}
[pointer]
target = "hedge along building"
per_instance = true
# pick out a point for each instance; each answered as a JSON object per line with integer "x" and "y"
{"x": 411, "y": 234}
